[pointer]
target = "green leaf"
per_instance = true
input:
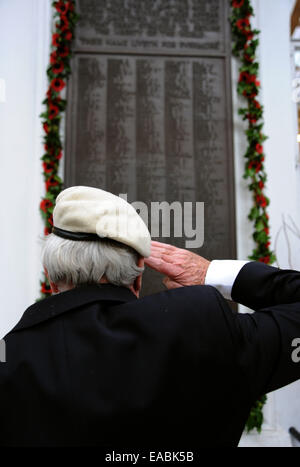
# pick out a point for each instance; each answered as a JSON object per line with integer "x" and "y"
{"x": 260, "y": 226}
{"x": 254, "y": 213}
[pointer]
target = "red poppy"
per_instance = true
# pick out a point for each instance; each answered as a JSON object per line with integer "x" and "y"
{"x": 53, "y": 111}
{"x": 252, "y": 118}
{"x": 258, "y": 167}
{"x": 265, "y": 259}
{"x": 257, "y": 104}
{"x": 58, "y": 68}
{"x": 261, "y": 184}
{"x": 237, "y": 3}
{"x": 46, "y": 289}
{"x": 59, "y": 155}
{"x": 266, "y": 229}
{"x": 249, "y": 35}
{"x": 248, "y": 58}
{"x": 267, "y": 244}
{"x": 257, "y": 83}
{"x": 46, "y": 127}
{"x": 63, "y": 51}
{"x": 55, "y": 38}
{"x": 64, "y": 23}
{"x": 51, "y": 182}
{"x": 259, "y": 148}
{"x": 242, "y": 23}
{"x": 252, "y": 78}
{"x": 50, "y": 220}
{"x": 57, "y": 84}
{"x": 261, "y": 201}
{"x": 50, "y": 150}
{"x": 244, "y": 76}
{"x": 47, "y": 230}
{"x": 70, "y": 6}
{"x": 61, "y": 7}
{"x": 68, "y": 36}
{"x": 45, "y": 204}
{"x": 48, "y": 166}
{"x": 255, "y": 165}
{"x": 49, "y": 93}
{"x": 53, "y": 57}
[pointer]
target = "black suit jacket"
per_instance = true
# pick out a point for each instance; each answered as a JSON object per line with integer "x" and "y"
{"x": 178, "y": 369}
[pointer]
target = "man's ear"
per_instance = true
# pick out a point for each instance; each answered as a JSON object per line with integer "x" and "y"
{"x": 137, "y": 285}
{"x": 53, "y": 286}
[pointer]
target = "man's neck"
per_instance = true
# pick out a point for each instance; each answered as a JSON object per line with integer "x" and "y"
{"x": 62, "y": 287}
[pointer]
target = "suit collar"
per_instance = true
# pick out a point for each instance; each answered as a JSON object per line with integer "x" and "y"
{"x": 71, "y": 300}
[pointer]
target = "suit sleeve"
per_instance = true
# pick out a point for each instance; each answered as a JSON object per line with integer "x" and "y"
{"x": 272, "y": 333}
{"x": 258, "y": 285}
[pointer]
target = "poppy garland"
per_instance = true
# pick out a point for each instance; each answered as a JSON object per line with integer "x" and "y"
{"x": 245, "y": 43}
{"x": 65, "y": 19}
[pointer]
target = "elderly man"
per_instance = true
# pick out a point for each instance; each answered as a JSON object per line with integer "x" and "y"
{"x": 95, "y": 365}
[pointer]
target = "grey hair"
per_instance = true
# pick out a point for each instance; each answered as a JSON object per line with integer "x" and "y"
{"x": 80, "y": 262}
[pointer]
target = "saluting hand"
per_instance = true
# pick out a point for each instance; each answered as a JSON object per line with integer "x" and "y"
{"x": 180, "y": 267}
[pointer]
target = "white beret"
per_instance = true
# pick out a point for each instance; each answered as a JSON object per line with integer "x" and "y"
{"x": 85, "y": 213}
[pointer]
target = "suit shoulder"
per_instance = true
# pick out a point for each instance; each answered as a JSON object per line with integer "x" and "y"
{"x": 186, "y": 297}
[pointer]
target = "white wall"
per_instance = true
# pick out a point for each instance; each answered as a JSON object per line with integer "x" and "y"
{"x": 284, "y": 183}
{"x": 24, "y": 43}
{"x": 24, "y": 54}
{"x": 283, "y": 186}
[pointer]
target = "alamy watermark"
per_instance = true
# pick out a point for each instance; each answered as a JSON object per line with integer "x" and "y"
{"x": 296, "y": 351}
{"x": 2, "y": 351}
{"x": 163, "y": 219}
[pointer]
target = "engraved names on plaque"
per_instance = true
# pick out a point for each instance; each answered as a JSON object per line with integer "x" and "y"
{"x": 162, "y": 137}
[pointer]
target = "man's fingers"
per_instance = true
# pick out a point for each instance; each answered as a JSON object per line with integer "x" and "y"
{"x": 175, "y": 259}
{"x": 157, "y": 264}
{"x": 166, "y": 259}
{"x": 167, "y": 250}
{"x": 155, "y": 253}
{"x": 162, "y": 246}
{"x": 152, "y": 261}
{"x": 170, "y": 284}
{"x": 162, "y": 266}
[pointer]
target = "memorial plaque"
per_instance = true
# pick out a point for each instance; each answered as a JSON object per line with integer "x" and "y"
{"x": 180, "y": 27}
{"x": 155, "y": 125}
